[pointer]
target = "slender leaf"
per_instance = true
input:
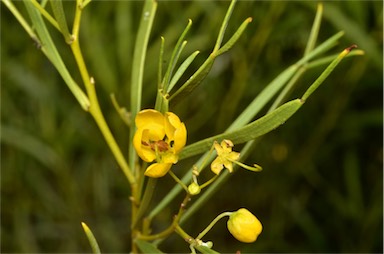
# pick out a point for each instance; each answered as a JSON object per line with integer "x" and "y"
{"x": 315, "y": 30}
{"x": 49, "y": 48}
{"x": 147, "y": 17}
{"x": 147, "y": 247}
{"x": 251, "y": 131}
{"x": 175, "y": 56}
{"x": 326, "y": 72}
{"x": 224, "y": 25}
{"x": 91, "y": 239}
{"x": 58, "y": 12}
{"x": 183, "y": 67}
{"x": 204, "y": 69}
{"x": 235, "y": 37}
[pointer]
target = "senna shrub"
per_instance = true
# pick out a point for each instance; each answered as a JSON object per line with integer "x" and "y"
{"x": 158, "y": 137}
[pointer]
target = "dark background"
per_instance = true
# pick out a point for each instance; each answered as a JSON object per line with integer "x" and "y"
{"x": 321, "y": 189}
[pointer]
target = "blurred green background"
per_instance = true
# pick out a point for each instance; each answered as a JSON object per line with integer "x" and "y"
{"x": 321, "y": 189}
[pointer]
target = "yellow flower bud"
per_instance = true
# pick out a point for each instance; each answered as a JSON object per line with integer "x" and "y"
{"x": 244, "y": 226}
{"x": 194, "y": 189}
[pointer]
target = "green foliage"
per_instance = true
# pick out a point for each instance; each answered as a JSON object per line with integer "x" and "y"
{"x": 321, "y": 188}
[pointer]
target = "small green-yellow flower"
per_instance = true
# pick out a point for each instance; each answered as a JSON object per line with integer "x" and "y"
{"x": 244, "y": 226}
{"x": 225, "y": 156}
{"x": 159, "y": 137}
{"x": 194, "y": 189}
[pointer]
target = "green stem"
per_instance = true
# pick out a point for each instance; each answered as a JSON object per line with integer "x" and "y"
{"x": 94, "y": 107}
{"x": 148, "y": 193}
{"x": 184, "y": 234}
{"x": 209, "y": 227}
{"x": 45, "y": 14}
{"x": 178, "y": 180}
{"x": 208, "y": 182}
{"x": 172, "y": 227}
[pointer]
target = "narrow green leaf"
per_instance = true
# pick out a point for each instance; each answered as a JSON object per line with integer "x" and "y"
{"x": 146, "y": 21}
{"x": 326, "y": 72}
{"x": 315, "y": 29}
{"x": 91, "y": 238}
{"x": 322, "y": 48}
{"x": 328, "y": 59}
{"x": 194, "y": 80}
{"x": 160, "y": 68}
{"x": 224, "y": 25}
{"x": 142, "y": 39}
{"x": 46, "y": 15}
{"x": 227, "y": 46}
{"x": 183, "y": 67}
{"x": 275, "y": 85}
{"x": 49, "y": 49}
{"x": 264, "y": 97}
{"x": 147, "y": 247}
{"x": 175, "y": 56}
{"x": 204, "y": 69}
{"x": 251, "y": 131}
{"x": 58, "y": 12}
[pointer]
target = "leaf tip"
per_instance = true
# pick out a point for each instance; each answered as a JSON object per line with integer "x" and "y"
{"x": 85, "y": 227}
{"x": 351, "y": 47}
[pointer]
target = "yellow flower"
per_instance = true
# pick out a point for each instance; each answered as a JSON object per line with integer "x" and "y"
{"x": 159, "y": 137}
{"x": 244, "y": 226}
{"x": 225, "y": 156}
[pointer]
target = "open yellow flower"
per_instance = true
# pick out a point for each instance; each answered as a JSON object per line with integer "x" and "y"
{"x": 159, "y": 137}
{"x": 244, "y": 226}
{"x": 225, "y": 156}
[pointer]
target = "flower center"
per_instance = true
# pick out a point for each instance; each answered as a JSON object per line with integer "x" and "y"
{"x": 159, "y": 145}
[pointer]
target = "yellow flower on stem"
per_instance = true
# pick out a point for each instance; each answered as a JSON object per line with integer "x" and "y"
{"x": 159, "y": 137}
{"x": 244, "y": 226}
{"x": 225, "y": 156}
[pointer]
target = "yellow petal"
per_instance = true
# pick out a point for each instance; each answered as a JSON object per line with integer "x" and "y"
{"x": 226, "y": 145}
{"x": 157, "y": 170}
{"x": 217, "y": 165}
{"x": 145, "y": 153}
{"x": 149, "y": 116}
{"x": 180, "y": 138}
{"x": 233, "y": 156}
{"x": 175, "y": 131}
{"x": 172, "y": 122}
{"x": 152, "y": 133}
{"x": 218, "y": 148}
{"x": 228, "y": 165}
{"x": 169, "y": 158}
